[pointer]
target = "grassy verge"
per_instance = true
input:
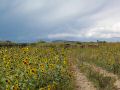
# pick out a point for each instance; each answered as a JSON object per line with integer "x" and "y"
{"x": 101, "y": 82}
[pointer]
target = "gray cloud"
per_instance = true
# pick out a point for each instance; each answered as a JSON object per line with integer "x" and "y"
{"x": 37, "y": 19}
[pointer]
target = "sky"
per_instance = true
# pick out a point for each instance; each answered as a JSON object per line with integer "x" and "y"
{"x": 78, "y": 20}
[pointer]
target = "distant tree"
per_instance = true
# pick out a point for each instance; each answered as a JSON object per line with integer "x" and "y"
{"x": 78, "y": 42}
{"x": 101, "y": 41}
{"x": 98, "y": 41}
{"x": 8, "y": 41}
{"x": 41, "y": 41}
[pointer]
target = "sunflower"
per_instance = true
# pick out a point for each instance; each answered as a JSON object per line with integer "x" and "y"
{"x": 26, "y": 62}
{"x": 33, "y": 71}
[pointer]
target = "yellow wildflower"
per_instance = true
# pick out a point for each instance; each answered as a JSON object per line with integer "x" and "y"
{"x": 42, "y": 89}
{"x": 8, "y": 81}
{"x": 16, "y": 87}
{"x": 49, "y": 87}
{"x": 51, "y": 66}
{"x": 33, "y": 71}
{"x": 26, "y": 62}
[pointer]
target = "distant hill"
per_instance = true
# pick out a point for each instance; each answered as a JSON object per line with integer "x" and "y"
{"x": 6, "y": 42}
{"x": 63, "y": 41}
{"x": 11, "y": 44}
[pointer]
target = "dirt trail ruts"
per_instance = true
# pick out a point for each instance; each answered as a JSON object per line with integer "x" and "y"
{"x": 81, "y": 81}
{"x": 106, "y": 73}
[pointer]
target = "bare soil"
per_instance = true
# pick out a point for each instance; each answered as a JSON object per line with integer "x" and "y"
{"x": 81, "y": 81}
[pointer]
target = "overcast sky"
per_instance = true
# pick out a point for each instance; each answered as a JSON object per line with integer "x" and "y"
{"x": 29, "y": 20}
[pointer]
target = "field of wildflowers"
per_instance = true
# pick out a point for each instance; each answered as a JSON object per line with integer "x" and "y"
{"x": 34, "y": 68}
{"x": 48, "y": 66}
{"x": 95, "y": 60}
{"x": 106, "y": 56}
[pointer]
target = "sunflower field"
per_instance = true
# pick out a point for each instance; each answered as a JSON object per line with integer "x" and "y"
{"x": 34, "y": 68}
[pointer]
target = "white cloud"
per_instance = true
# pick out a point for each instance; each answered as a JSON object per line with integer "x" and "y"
{"x": 63, "y": 35}
{"x": 106, "y": 22}
{"x": 98, "y": 31}
{"x": 107, "y": 30}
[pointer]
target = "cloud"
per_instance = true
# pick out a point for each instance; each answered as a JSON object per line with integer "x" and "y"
{"x": 52, "y": 12}
{"x": 63, "y": 35}
{"x": 36, "y": 19}
{"x": 107, "y": 22}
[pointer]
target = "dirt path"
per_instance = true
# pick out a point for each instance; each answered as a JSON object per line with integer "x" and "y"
{"x": 81, "y": 81}
{"x": 106, "y": 73}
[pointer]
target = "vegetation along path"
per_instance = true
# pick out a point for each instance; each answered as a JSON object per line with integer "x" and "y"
{"x": 106, "y": 73}
{"x": 81, "y": 81}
